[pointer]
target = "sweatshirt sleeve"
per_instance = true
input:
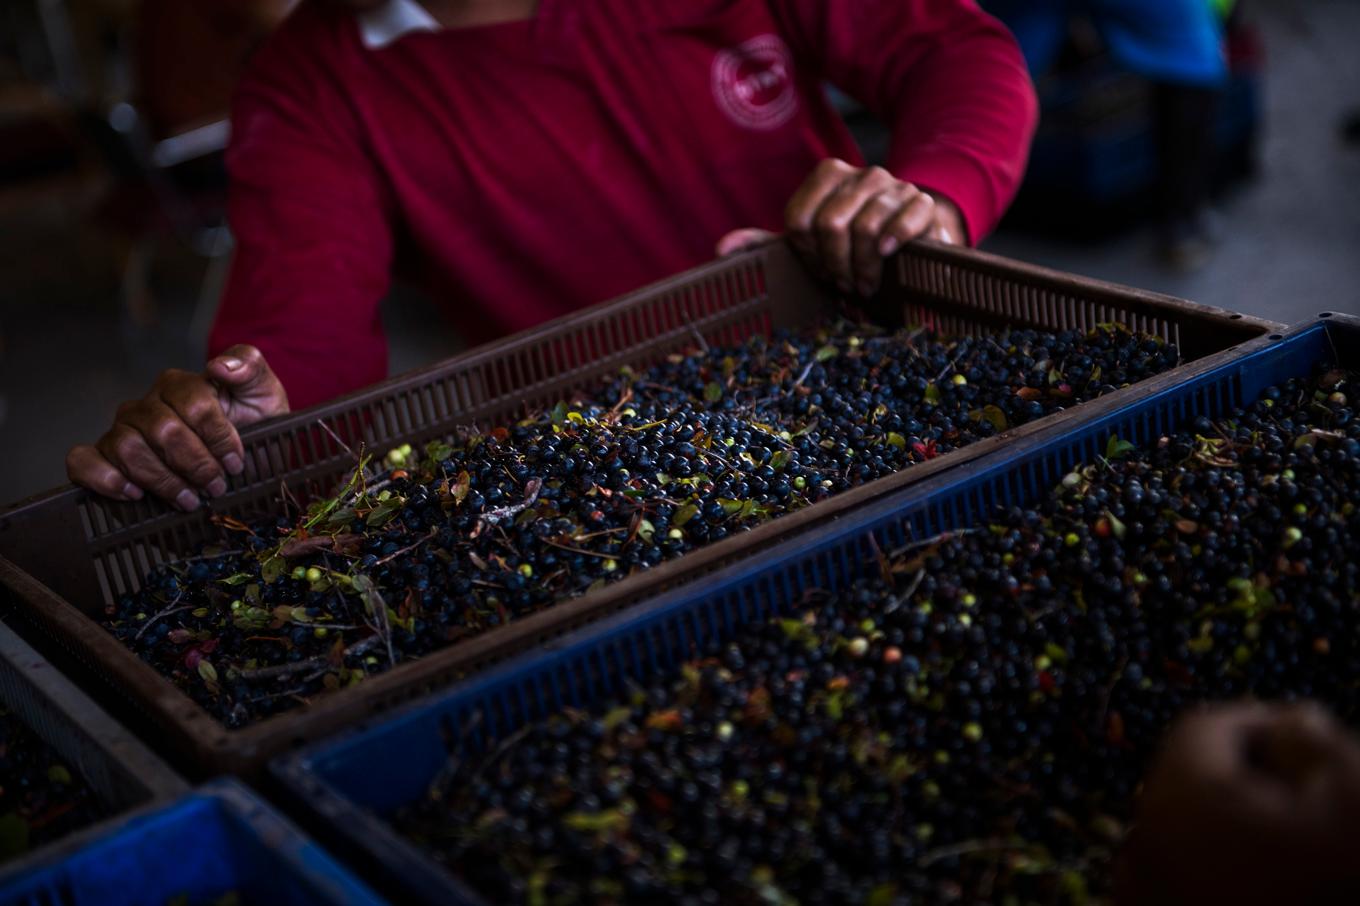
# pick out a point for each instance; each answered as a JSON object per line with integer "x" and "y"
{"x": 312, "y": 223}
{"x": 949, "y": 81}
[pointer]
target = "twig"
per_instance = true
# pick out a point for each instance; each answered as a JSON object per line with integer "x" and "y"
{"x": 624, "y": 399}
{"x": 279, "y": 670}
{"x": 577, "y": 550}
{"x": 947, "y": 368}
{"x": 336, "y": 437}
{"x": 699, "y": 338}
{"x": 966, "y": 848}
{"x": 906, "y": 596}
{"x": 165, "y": 612}
{"x": 927, "y": 542}
{"x": 377, "y": 606}
{"x": 803, "y": 377}
{"x": 365, "y": 489}
{"x": 288, "y": 497}
{"x": 504, "y": 746}
{"x": 664, "y": 388}
{"x": 407, "y": 549}
{"x": 199, "y": 557}
{"x": 507, "y": 512}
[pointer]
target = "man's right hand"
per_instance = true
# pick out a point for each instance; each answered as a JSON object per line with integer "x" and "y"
{"x": 180, "y": 440}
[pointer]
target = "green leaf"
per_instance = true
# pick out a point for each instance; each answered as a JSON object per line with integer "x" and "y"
{"x": 460, "y": 490}
{"x": 596, "y": 822}
{"x": 341, "y": 517}
{"x": 1116, "y": 449}
{"x": 897, "y": 440}
{"x": 686, "y": 512}
{"x": 438, "y": 451}
{"x": 994, "y": 415}
{"x": 272, "y": 567}
{"x": 207, "y": 671}
{"x": 236, "y": 579}
{"x": 713, "y": 391}
{"x": 58, "y": 773}
{"x": 13, "y": 836}
{"x": 827, "y": 353}
{"x": 932, "y": 395}
{"x": 780, "y": 459}
{"x": 731, "y": 507}
{"x": 385, "y": 511}
{"x": 616, "y": 716}
{"x": 646, "y": 530}
{"x": 884, "y": 894}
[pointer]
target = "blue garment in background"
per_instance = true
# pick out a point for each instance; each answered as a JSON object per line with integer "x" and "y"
{"x": 1164, "y": 40}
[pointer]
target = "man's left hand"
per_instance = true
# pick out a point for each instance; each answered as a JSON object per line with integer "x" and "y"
{"x": 844, "y": 220}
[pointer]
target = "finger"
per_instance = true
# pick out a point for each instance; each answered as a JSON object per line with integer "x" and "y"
{"x": 129, "y": 451}
{"x": 741, "y": 240}
{"x": 866, "y": 233}
{"x": 87, "y": 467}
{"x": 800, "y": 215}
{"x": 197, "y": 404}
{"x": 177, "y": 445}
{"x": 911, "y": 222}
{"x": 832, "y": 222}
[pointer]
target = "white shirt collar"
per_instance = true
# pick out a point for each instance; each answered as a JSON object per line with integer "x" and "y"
{"x": 383, "y": 25}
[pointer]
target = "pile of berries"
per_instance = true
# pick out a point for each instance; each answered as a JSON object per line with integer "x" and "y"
{"x": 968, "y": 723}
{"x": 438, "y": 547}
{"x": 41, "y": 799}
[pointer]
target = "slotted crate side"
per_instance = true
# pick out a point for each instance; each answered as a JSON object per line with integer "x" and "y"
{"x": 122, "y": 772}
{"x": 993, "y": 291}
{"x": 334, "y": 780}
{"x": 53, "y": 537}
{"x": 219, "y": 839}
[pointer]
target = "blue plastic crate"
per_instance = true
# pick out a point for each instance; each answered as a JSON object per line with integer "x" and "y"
{"x": 351, "y": 782}
{"x": 218, "y": 839}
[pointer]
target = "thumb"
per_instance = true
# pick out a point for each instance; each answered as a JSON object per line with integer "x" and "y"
{"x": 741, "y": 240}
{"x": 248, "y": 388}
{"x": 239, "y": 368}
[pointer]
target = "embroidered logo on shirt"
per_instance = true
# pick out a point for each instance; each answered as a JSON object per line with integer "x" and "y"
{"x": 753, "y": 83}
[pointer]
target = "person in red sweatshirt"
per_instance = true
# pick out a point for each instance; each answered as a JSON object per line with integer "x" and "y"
{"x": 524, "y": 158}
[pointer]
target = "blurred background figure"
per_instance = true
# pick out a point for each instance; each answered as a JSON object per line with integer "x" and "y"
{"x": 1178, "y": 47}
{"x": 1248, "y": 803}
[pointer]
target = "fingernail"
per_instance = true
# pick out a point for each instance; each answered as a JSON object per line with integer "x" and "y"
{"x": 233, "y": 464}
{"x": 132, "y": 492}
{"x": 217, "y": 487}
{"x": 887, "y": 246}
{"x": 230, "y": 364}
{"x": 187, "y": 500}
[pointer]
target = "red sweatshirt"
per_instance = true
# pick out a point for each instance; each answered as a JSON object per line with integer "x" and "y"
{"x": 524, "y": 170}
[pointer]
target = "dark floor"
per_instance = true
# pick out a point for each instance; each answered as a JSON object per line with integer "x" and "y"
{"x": 1291, "y": 248}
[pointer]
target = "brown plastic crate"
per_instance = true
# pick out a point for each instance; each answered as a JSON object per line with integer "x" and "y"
{"x": 64, "y": 555}
{"x": 122, "y": 772}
